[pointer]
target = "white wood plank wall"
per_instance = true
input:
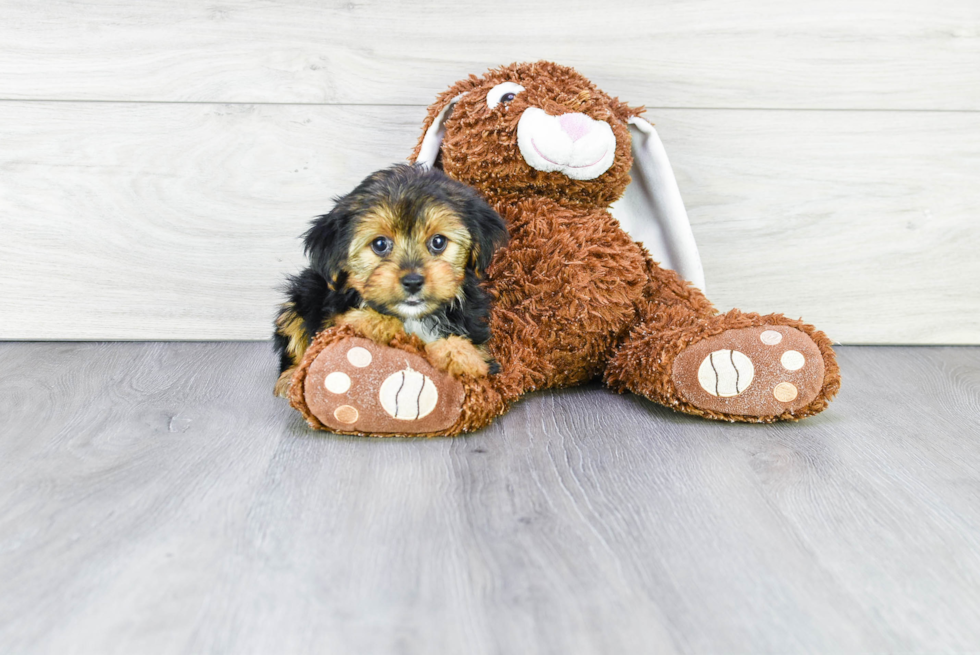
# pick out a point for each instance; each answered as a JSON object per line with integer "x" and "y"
{"x": 159, "y": 159}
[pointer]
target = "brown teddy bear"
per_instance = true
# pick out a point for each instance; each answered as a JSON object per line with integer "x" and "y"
{"x": 575, "y": 296}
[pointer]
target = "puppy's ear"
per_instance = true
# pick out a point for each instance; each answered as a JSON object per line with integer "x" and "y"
{"x": 487, "y": 229}
{"x": 328, "y": 240}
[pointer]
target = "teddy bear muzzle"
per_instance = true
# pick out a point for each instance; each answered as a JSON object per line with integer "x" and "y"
{"x": 574, "y": 144}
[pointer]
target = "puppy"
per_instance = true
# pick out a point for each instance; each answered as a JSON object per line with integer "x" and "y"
{"x": 403, "y": 252}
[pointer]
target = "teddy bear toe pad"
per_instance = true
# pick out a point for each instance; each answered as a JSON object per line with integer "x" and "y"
{"x": 356, "y": 385}
{"x": 758, "y": 371}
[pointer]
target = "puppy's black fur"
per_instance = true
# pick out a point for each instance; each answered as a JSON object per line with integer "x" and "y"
{"x": 322, "y": 291}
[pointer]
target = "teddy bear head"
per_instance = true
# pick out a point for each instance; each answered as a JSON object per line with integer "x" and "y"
{"x": 531, "y": 129}
{"x": 541, "y": 130}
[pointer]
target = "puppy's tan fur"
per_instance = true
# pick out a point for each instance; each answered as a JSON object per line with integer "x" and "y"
{"x": 458, "y": 356}
{"x": 375, "y": 326}
{"x": 290, "y": 325}
{"x": 453, "y": 354}
{"x": 378, "y": 279}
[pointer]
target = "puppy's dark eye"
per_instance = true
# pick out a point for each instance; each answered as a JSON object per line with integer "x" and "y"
{"x": 437, "y": 244}
{"x": 507, "y": 97}
{"x": 381, "y": 246}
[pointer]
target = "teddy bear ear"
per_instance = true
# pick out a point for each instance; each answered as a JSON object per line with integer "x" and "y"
{"x": 431, "y": 143}
{"x": 652, "y": 211}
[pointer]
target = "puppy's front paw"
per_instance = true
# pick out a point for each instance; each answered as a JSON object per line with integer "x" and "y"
{"x": 457, "y": 356}
{"x": 375, "y": 326}
{"x": 282, "y": 384}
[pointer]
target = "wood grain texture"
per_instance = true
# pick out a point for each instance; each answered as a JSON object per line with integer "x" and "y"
{"x": 155, "y": 498}
{"x": 161, "y": 221}
{"x": 860, "y": 222}
{"x": 171, "y": 221}
{"x": 839, "y": 54}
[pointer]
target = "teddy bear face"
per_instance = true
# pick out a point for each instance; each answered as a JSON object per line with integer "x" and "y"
{"x": 538, "y": 129}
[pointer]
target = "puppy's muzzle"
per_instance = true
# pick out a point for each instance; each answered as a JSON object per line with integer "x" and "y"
{"x": 413, "y": 282}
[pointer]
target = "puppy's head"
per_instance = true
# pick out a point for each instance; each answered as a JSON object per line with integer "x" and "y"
{"x": 405, "y": 239}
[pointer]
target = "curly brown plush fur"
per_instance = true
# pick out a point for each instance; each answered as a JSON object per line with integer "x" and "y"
{"x": 574, "y": 297}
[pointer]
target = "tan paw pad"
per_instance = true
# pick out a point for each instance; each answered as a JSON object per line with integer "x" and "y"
{"x": 758, "y": 371}
{"x": 725, "y": 373}
{"x": 770, "y": 337}
{"x": 785, "y": 392}
{"x": 356, "y": 385}
{"x": 359, "y": 357}
{"x": 792, "y": 360}
{"x": 337, "y": 382}
{"x": 408, "y": 395}
{"x": 346, "y": 414}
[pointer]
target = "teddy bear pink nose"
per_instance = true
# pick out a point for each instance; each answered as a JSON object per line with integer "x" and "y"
{"x": 575, "y": 125}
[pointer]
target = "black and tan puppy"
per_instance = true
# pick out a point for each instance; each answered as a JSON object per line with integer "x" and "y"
{"x": 404, "y": 251}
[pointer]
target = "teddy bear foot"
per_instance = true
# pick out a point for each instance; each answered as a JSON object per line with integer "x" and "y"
{"x": 356, "y": 386}
{"x": 765, "y": 372}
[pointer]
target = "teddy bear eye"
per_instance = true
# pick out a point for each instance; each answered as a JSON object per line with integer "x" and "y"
{"x": 381, "y": 246}
{"x": 504, "y": 92}
{"x": 437, "y": 244}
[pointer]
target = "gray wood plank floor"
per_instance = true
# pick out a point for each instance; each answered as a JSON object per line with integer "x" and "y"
{"x": 155, "y": 498}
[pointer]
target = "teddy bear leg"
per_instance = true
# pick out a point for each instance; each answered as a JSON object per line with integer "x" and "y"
{"x": 735, "y": 366}
{"x": 352, "y": 385}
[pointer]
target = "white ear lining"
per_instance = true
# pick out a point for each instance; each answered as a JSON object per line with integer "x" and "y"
{"x": 432, "y": 141}
{"x": 652, "y": 211}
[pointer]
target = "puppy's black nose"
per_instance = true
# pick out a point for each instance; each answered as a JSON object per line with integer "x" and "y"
{"x": 413, "y": 282}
